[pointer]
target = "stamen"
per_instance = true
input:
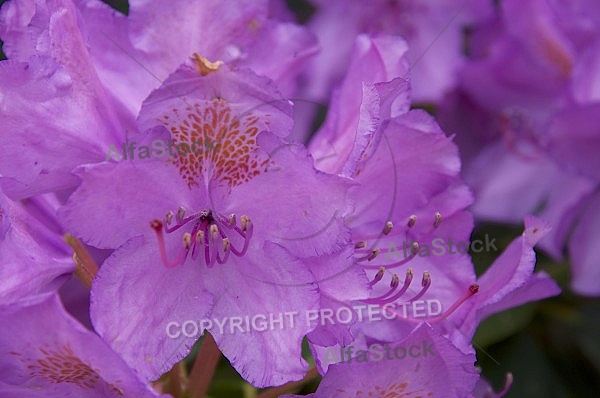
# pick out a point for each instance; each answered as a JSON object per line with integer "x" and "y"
{"x": 407, "y": 281}
{"x": 180, "y": 215}
{"x": 158, "y": 229}
{"x": 169, "y": 217}
{"x": 226, "y": 251}
{"x": 396, "y": 264}
{"x": 415, "y": 248}
{"x": 378, "y": 276}
{"x": 388, "y": 227}
{"x": 187, "y": 241}
{"x": 199, "y": 242}
{"x": 360, "y": 245}
{"x": 208, "y": 231}
{"x": 245, "y": 222}
{"x": 425, "y": 283}
{"x": 226, "y": 244}
{"x": 383, "y": 298}
{"x": 395, "y": 281}
{"x": 438, "y": 219}
{"x": 245, "y": 232}
{"x": 412, "y": 220}
{"x": 211, "y": 247}
{"x": 393, "y": 285}
{"x": 373, "y": 254}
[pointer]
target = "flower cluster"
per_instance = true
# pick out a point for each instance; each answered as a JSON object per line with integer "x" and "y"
{"x": 277, "y": 216}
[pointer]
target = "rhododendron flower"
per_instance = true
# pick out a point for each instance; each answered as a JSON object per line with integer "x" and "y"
{"x": 46, "y": 353}
{"x": 410, "y": 190}
{"x": 34, "y": 261}
{"x": 215, "y": 233}
{"x": 409, "y": 187}
{"x": 448, "y": 373}
{"x": 433, "y": 30}
{"x": 56, "y": 114}
{"x": 212, "y": 222}
{"x": 530, "y": 90}
{"x": 78, "y": 72}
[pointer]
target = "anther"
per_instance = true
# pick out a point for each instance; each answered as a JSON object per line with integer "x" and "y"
{"x": 169, "y": 217}
{"x": 231, "y": 220}
{"x": 226, "y": 244}
{"x": 180, "y": 215}
{"x": 395, "y": 281}
{"x": 187, "y": 240}
{"x": 374, "y": 253}
{"x": 425, "y": 283}
{"x": 388, "y": 227}
{"x": 412, "y": 220}
{"x": 415, "y": 248}
{"x": 245, "y": 221}
{"x": 438, "y": 219}
{"x": 214, "y": 231}
{"x": 426, "y": 279}
{"x": 360, "y": 245}
{"x": 200, "y": 236}
{"x": 378, "y": 276}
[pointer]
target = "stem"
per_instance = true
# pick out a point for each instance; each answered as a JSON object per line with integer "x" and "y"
{"x": 274, "y": 392}
{"x": 176, "y": 380}
{"x": 204, "y": 367}
{"x": 248, "y": 390}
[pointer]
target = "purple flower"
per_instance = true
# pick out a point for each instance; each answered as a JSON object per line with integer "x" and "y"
{"x": 55, "y": 112}
{"x": 77, "y": 74}
{"x": 225, "y": 233}
{"x": 419, "y": 23}
{"x": 68, "y": 361}
{"x": 509, "y": 282}
{"x": 34, "y": 260}
{"x": 530, "y": 86}
{"x": 237, "y": 32}
{"x": 409, "y": 190}
{"x": 446, "y": 372}
{"x": 483, "y": 389}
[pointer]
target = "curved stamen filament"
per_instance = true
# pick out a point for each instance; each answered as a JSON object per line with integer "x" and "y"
{"x": 407, "y": 281}
{"x": 473, "y": 289}
{"x": 246, "y": 233}
{"x": 395, "y": 282}
{"x": 393, "y": 286}
{"x": 425, "y": 283}
{"x": 378, "y": 276}
{"x": 392, "y": 265}
{"x": 181, "y": 221}
{"x": 158, "y": 229}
